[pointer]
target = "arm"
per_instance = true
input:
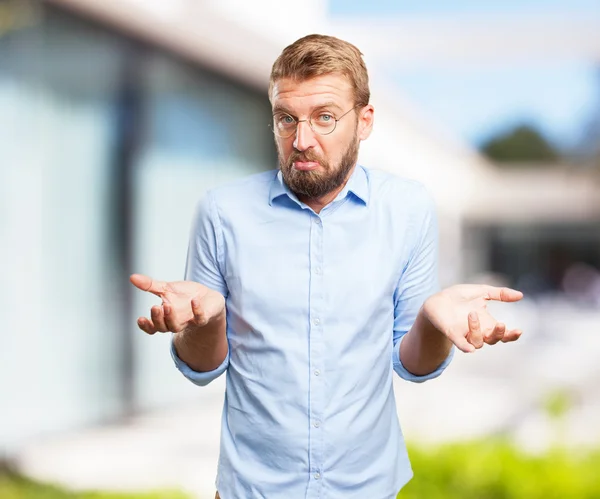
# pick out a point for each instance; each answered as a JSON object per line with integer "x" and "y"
{"x": 424, "y": 348}
{"x": 194, "y": 309}
{"x": 421, "y": 352}
{"x": 456, "y": 315}
{"x": 203, "y": 348}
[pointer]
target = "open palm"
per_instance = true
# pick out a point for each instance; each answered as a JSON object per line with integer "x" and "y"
{"x": 183, "y": 303}
{"x": 460, "y": 312}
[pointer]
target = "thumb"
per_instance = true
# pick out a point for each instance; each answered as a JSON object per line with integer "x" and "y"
{"x": 462, "y": 344}
{"x": 207, "y": 307}
{"x": 146, "y": 283}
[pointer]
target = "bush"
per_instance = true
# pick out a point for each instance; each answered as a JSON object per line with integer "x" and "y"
{"x": 497, "y": 470}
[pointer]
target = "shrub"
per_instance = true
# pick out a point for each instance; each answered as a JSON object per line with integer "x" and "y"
{"x": 495, "y": 469}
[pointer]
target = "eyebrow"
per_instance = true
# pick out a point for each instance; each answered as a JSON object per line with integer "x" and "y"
{"x": 282, "y": 109}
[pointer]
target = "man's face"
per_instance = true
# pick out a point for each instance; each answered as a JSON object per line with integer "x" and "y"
{"x": 314, "y": 165}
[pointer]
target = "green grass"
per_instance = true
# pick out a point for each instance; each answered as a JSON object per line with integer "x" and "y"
{"x": 490, "y": 469}
{"x": 495, "y": 469}
{"x": 13, "y": 486}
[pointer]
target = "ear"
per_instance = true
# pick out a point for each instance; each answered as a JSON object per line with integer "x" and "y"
{"x": 366, "y": 116}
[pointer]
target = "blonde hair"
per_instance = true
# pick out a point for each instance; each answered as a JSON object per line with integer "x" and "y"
{"x": 317, "y": 55}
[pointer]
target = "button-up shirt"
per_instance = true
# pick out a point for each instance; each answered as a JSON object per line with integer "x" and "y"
{"x": 317, "y": 305}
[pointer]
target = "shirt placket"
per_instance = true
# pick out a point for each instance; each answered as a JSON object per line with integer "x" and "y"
{"x": 317, "y": 387}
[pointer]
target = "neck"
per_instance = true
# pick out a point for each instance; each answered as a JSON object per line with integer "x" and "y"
{"x": 317, "y": 204}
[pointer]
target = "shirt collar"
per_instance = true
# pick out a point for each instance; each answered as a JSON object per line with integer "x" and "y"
{"x": 358, "y": 184}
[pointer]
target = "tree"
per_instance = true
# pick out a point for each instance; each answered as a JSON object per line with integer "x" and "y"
{"x": 522, "y": 144}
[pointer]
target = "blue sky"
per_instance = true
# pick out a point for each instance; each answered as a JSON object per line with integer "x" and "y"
{"x": 477, "y": 102}
{"x": 375, "y": 7}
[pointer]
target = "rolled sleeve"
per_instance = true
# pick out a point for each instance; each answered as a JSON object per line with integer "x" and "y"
{"x": 198, "y": 378}
{"x": 418, "y": 282}
{"x": 204, "y": 265}
{"x": 407, "y": 375}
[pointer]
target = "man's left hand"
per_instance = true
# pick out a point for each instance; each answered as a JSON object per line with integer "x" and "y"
{"x": 460, "y": 312}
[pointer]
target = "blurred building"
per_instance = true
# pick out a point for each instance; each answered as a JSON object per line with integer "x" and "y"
{"x": 109, "y": 138}
{"x": 532, "y": 224}
{"x": 117, "y": 115}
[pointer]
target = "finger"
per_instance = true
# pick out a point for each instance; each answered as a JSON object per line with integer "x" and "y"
{"x": 496, "y": 335}
{"x": 512, "y": 335}
{"x": 146, "y": 325}
{"x": 503, "y": 294}
{"x": 158, "y": 318}
{"x": 146, "y": 283}
{"x": 200, "y": 318}
{"x": 462, "y": 344}
{"x": 474, "y": 336}
{"x": 170, "y": 320}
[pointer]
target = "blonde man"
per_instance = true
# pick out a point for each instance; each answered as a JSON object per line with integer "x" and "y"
{"x": 310, "y": 285}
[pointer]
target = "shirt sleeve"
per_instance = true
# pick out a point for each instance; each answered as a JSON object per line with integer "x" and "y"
{"x": 204, "y": 264}
{"x": 200, "y": 379}
{"x": 204, "y": 260}
{"x": 418, "y": 281}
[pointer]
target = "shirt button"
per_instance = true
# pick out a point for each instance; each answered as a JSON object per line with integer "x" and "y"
{"x": 316, "y": 322}
{"x": 317, "y": 372}
{"x": 318, "y": 221}
{"x": 318, "y": 271}
{"x": 317, "y": 476}
{"x": 316, "y": 424}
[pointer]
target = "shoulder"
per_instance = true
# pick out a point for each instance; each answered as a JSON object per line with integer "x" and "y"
{"x": 406, "y": 206}
{"x": 251, "y": 187}
{"x": 397, "y": 191}
{"x": 240, "y": 193}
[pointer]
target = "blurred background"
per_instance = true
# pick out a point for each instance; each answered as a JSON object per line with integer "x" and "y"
{"x": 117, "y": 115}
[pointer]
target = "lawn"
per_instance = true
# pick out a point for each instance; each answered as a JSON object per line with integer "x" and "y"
{"x": 13, "y": 486}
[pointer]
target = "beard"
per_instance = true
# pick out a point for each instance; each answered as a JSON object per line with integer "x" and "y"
{"x": 316, "y": 184}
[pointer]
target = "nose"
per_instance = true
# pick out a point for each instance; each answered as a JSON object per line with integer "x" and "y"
{"x": 305, "y": 137}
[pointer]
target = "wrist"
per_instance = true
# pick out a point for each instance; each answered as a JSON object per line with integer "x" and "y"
{"x": 424, "y": 325}
{"x": 212, "y": 327}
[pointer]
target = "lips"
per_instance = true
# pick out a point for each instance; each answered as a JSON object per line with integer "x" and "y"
{"x": 305, "y": 165}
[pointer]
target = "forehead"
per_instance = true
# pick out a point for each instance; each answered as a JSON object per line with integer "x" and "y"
{"x": 297, "y": 95}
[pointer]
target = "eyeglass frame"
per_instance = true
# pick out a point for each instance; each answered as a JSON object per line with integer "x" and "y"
{"x": 272, "y": 127}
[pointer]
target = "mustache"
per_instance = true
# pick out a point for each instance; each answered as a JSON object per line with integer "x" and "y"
{"x": 304, "y": 156}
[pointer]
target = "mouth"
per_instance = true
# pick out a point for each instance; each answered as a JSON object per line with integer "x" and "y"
{"x": 305, "y": 165}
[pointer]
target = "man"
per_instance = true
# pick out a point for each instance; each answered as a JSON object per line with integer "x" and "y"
{"x": 310, "y": 285}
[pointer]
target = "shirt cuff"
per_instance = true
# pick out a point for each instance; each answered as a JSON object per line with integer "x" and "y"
{"x": 408, "y": 376}
{"x": 198, "y": 378}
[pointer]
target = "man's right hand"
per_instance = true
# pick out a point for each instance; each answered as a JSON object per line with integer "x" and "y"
{"x": 184, "y": 304}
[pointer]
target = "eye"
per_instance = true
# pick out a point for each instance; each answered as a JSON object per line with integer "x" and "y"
{"x": 284, "y": 120}
{"x": 325, "y": 118}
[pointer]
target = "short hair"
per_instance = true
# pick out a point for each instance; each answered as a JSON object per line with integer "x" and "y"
{"x": 318, "y": 55}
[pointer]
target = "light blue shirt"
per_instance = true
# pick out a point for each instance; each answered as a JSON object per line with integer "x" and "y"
{"x": 317, "y": 306}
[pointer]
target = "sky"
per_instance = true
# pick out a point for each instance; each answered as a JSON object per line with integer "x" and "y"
{"x": 558, "y": 96}
{"x": 477, "y": 103}
{"x": 375, "y": 7}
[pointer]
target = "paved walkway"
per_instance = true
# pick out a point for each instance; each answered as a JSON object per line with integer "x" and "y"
{"x": 496, "y": 390}
{"x": 175, "y": 449}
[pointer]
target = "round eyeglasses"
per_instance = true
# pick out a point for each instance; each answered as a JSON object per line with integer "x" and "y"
{"x": 320, "y": 122}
